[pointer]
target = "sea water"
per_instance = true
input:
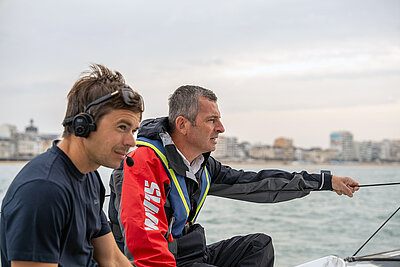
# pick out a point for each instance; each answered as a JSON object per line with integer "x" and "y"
{"x": 304, "y": 229}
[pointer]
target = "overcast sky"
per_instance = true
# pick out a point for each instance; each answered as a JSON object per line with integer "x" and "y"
{"x": 298, "y": 69}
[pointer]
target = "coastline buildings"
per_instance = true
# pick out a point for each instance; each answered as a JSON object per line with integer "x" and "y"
{"x": 372, "y": 151}
{"x": 23, "y": 146}
{"x": 343, "y": 148}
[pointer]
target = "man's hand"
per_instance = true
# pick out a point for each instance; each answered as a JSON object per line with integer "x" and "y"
{"x": 344, "y": 185}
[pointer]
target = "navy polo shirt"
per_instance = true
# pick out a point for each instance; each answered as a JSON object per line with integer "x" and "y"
{"x": 51, "y": 212}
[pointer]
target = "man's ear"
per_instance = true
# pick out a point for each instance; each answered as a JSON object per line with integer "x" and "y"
{"x": 181, "y": 125}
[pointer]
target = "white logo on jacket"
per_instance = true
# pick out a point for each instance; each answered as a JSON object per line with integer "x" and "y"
{"x": 151, "y": 195}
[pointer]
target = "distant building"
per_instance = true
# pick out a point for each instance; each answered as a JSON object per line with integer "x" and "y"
{"x": 228, "y": 148}
{"x": 221, "y": 148}
{"x": 368, "y": 151}
{"x": 283, "y": 149}
{"x": 22, "y": 146}
{"x": 8, "y": 145}
{"x": 263, "y": 152}
{"x": 396, "y": 151}
{"x": 28, "y": 146}
{"x": 342, "y": 143}
{"x": 314, "y": 155}
{"x": 283, "y": 142}
{"x": 31, "y": 129}
{"x": 390, "y": 150}
{"x": 244, "y": 149}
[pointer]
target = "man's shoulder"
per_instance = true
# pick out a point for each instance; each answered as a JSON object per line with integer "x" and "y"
{"x": 211, "y": 163}
{"x": 144, "y": 153}
{"x": 33, "y": 194}
{"x": 146, "y": 162}
{"x": 46, "y": 166}
{"x": 39, "y": 172}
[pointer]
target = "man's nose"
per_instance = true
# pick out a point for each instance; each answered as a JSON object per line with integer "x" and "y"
{"x": 130, "y": 140}
{"x": 220, "y": 127}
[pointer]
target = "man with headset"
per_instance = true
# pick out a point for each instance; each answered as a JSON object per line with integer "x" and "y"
{"x": 52, "y": 213}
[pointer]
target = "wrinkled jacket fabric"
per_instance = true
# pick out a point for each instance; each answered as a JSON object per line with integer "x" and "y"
{"x": 144, "y": 210}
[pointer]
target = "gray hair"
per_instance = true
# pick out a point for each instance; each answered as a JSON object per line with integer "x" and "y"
{"x": 185, "y": 102}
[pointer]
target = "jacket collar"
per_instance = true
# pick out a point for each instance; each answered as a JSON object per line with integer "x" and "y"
{"x": 158, "y": 129}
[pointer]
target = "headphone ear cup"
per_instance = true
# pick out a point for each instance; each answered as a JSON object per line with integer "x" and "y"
{"x": 83, "y": 124}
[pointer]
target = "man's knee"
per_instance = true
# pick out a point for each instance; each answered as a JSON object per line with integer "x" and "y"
{"x": 261, "y": 240}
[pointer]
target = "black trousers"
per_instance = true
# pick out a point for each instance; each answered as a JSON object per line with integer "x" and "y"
{"x": 240, "y": 251}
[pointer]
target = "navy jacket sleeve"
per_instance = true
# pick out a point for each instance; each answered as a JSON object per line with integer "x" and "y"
{"x": 34, "y": 222}
{"x": 265, "y": 186}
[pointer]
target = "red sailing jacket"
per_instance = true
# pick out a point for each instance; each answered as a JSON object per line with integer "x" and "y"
{"x": 142, "y": 210}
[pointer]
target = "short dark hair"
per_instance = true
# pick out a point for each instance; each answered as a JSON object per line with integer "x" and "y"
{"x": 92, "y": 85}
{"x": 185, "y": 102}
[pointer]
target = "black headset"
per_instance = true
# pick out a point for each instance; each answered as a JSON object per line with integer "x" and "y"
{"x": 83, "y": 123}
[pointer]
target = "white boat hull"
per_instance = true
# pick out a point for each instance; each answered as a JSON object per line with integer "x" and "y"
{"x": 328, "y": 261}
{"x": 384, "y": 259}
